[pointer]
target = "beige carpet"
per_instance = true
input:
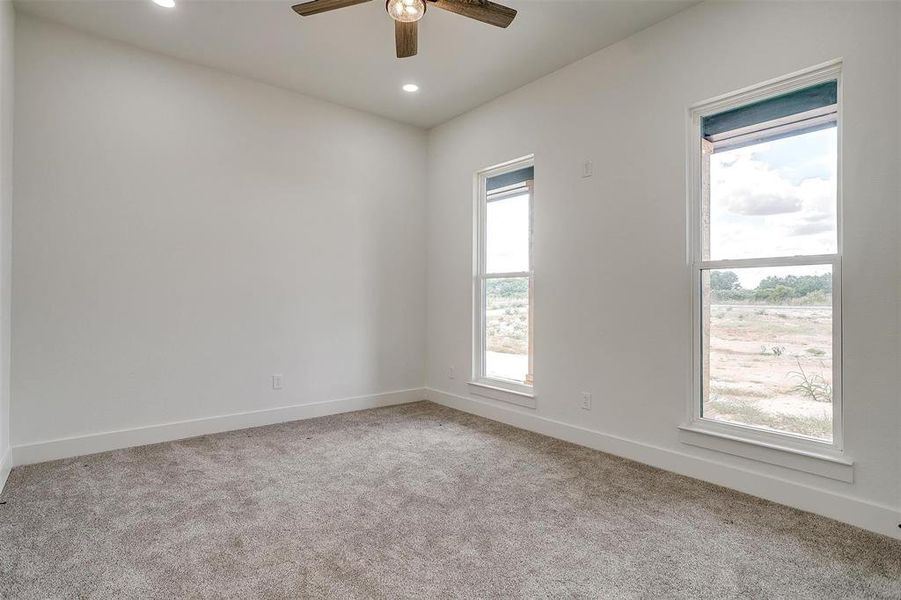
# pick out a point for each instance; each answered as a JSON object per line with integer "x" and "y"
{"x": 413, "y": 501}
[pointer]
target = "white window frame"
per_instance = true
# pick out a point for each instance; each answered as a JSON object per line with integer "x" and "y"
{"x": 481, "y": 384}
{"x": 729, "y": 437}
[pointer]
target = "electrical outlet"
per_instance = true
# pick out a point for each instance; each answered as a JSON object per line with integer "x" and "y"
{"x": 451, "y": 373}
{"x": 586, "y": 401}
{"x": 277, "y": 382}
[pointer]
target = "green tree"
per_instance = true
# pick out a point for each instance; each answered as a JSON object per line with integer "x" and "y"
{"x": 776, "y": 293}
{"x": 508, "y": 288}
{"x": 794, "y": 286}
{"x": 724, "y": 280}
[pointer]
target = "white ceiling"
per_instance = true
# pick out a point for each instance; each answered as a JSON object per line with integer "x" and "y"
{"x": 347, "y": 56}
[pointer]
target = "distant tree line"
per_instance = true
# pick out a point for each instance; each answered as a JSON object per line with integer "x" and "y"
{"x": 513, "y": 287}
{"x": 791, "y": 289}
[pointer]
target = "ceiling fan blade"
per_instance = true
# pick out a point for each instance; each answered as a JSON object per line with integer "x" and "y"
{"x": 480, "y": 10}
{"x": 318, "y": 6}
{"x": 406, "y": 38}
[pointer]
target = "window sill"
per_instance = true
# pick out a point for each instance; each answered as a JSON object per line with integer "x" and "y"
{"x": 495, "y": 392}
{"x": 824, "y": 465}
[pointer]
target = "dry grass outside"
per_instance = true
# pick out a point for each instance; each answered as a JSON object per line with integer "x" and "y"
{"x": 748, "y": 413}
{"x": 507, "y": 326}
{"x": 771, "y": 366}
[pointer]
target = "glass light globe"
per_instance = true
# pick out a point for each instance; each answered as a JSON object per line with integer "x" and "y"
{"x": 405, "y": 11}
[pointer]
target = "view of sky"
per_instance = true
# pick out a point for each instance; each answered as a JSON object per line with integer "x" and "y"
{"x": 507, "y": 248}
{"x": 776, "y": 198}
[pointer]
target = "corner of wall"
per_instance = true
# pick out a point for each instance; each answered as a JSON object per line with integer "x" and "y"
{"x": 898, "y": 174}
{"x": 7, "y": 32}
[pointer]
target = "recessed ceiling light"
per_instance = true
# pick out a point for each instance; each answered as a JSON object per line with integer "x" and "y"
{"x": 165, "y": 3}
{"x": 410, "y": 87}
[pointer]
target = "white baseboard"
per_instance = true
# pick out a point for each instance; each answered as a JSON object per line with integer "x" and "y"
{"x": 26, "y": 454}
{"x": 873, "y": 517}
{"x": 6, "y": 465}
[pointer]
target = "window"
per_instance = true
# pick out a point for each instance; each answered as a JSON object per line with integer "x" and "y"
{"x": 503, "y": 282}
{"x": 766, "y": 258}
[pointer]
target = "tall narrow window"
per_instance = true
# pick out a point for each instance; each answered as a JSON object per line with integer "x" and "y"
{"x": 767, "y": 263}
{"x": 503, "y": 285}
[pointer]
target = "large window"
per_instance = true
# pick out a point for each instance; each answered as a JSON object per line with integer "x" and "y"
{"x": 766, "y": 256}
{"x": 503, "y": 283}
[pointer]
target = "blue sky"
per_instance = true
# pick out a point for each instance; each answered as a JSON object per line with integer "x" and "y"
{"x": 777, "y": 198}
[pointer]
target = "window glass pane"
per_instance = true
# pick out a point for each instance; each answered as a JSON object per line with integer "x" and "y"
{"x": 507, "y": 236}
{"x": 507, "y": 329}
{"x": 775, "y": 198}
{"x": 767, "y": 348}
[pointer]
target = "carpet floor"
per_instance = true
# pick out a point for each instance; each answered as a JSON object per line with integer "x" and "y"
{"x": 413, "y": 501}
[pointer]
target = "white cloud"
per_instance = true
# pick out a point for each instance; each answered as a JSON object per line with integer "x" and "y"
{"x": 747, "y": 202}
{"x": 812, "y": 228}
{"x": 761, "y": 207}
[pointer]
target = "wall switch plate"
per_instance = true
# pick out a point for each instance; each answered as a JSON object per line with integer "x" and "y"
{"x": 587, "y": 169}
{"x": 586, "y": 401}
{"x": 451, "y": 373}
{"x": 277, "y": 382}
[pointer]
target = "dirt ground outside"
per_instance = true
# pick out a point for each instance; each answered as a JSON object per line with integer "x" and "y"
{"x": 771, "y": 366}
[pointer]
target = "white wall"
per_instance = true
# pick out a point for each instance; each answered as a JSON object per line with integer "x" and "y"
{"x": 182, "y": 234}
{"x": 612, "y": 300}
{"x": 7, "y": 26}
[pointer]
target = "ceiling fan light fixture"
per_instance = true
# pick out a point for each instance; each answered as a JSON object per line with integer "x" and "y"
{"x": 405, "y": 11}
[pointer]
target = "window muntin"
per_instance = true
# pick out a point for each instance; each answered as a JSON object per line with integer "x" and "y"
{"x": 503, "y": 348}
{"x": 767, "y": 265}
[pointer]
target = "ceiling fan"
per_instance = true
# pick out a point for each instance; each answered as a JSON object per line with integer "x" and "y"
{"x": 406, "y": 14}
